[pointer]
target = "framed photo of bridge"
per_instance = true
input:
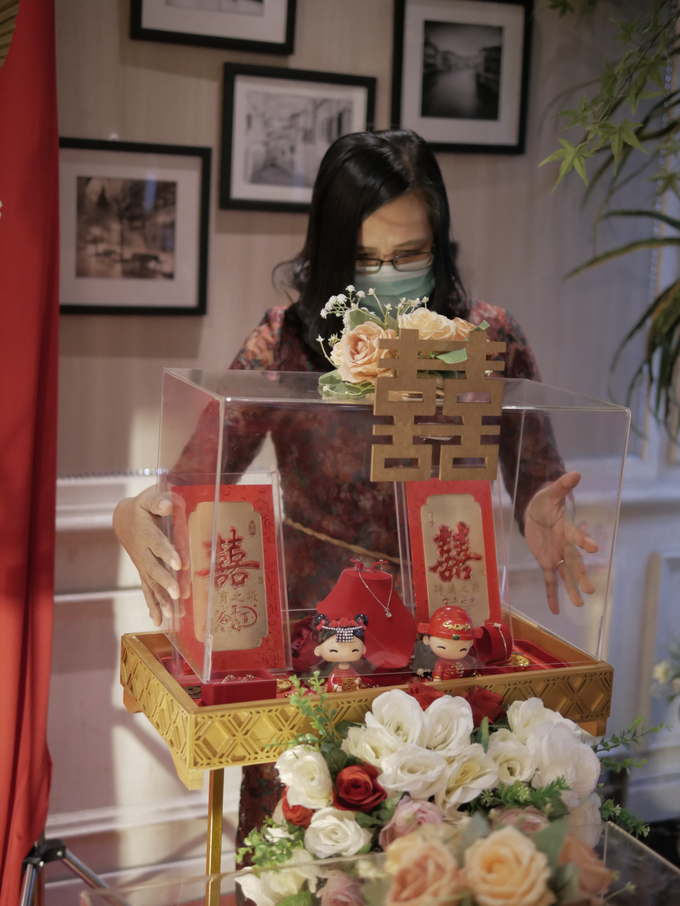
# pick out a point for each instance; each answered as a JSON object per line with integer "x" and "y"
{"x": 461, "y": 73}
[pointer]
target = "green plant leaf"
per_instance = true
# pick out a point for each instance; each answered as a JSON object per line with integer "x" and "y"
{"x": 355, "y": 317}
{"x": 634, "y": 212}
{"x": 565, "y": 883}
{"x": 550, "y": 840}
{"x": 453, "y": 357}
{"x": 330, "y": 379}
{"x": 304, "y": 898}
{"x": 652, "y": 243}
{"x": 344, "y": 726}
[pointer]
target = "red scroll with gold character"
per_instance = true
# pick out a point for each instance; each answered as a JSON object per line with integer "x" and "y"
{"x": 453, "y": 550}
{"x": 231, "y": 601}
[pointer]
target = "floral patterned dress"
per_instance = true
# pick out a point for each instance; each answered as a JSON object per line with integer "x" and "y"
{"x": 326, "y": 487}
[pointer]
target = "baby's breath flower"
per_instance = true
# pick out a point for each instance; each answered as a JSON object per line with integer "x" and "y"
{"x": 331, "y": 302}
{"x": 371, "y": 291}
{"x": 324, "y": 313}
{"x": 361, "y": 294}
{"x": 354, "y": 306}
{"x": 388, "y": 307}
{"x": 319, "y": 339}
{"x": 350, "y": 288}
{"x": 341, "y": 297}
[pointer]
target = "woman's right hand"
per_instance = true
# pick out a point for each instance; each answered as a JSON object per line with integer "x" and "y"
{"x": 136, "y": 522}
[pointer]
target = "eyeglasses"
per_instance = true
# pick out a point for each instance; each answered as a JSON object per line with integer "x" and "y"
{"x": 410, "y": 261}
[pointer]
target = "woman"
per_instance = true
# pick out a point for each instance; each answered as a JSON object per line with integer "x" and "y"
{"x": 379, "y": 217}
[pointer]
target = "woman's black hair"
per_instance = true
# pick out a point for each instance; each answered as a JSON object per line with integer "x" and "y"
{"x": 360, "y": 173}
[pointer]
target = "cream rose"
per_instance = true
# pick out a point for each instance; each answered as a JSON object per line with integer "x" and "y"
{"x": 585, "y": 822}
{"x": 465, "y": 777}
{"x": 413, "y": 770}
{"x": 448, "y": 725}
{"x": 432, "y": 326}
{"x": 506, "y": 869}
{"x": 333, "y": 832}
{"x": 524, "y": 718}
{"x": 558, "y": 754}
{"x": 272, "y": 886}
{"x": 399, "y": 714}
{"x": 513, "y": 760}
{"x": 357, "y": 353}
{"x": 304, "y": 771}
{"x": 370, "y": 744}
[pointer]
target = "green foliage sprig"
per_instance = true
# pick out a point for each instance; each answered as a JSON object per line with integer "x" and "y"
{"x": 634, "y": 734}
{"x": 620, "y": 815}
{"x": 270, "y": 847}
{"x": 319, "y": 712}
{"x": 546, "y": 799}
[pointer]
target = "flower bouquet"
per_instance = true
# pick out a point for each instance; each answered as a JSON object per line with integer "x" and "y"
{"x": 462, "y": 810}
{"x": 355, "y": 354}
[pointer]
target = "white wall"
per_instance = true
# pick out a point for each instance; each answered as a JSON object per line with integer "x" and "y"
{"x": 115, "y": 796}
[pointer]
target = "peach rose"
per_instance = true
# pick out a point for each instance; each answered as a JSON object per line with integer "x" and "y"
{"x": 594, "y": 877}
{"x": 341, "y": 890}
{"x": 506, "y": 869}
{"x": 425, "y": 872}
{"x": 432, "y": 326}
{"x": 356, "y": 355}
{"x": 529, "y": 820}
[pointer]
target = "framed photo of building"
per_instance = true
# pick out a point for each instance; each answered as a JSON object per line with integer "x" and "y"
{"x": 461, "y": 73}
{"x": 134, "y": 227}
{"x": 277, "y": 125}
{"x": 257, "y": 26}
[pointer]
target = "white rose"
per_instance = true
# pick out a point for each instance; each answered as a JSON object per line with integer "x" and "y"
{"x": 399, "y": 714}
{"x": 272, "y": 886}
{"x": 304, "y": 771}
{"x": 513, "y": 760}
{"x": 448, "y": 725}
{"x": 432, "y": 326}
{"x": 558, "y": 754}
{"x": 585, "y": 821}
{"x": 333, "y": 832}
{"x": 524, "y": 717}
{"x": 466, "y": 776}
{"x": 370, "y": 744}
{"x": 413, "y": 770}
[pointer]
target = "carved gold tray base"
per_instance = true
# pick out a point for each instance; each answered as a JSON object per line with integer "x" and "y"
{"x": 206, "y": 738}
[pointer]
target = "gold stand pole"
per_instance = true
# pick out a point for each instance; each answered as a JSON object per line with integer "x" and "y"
{"x": 214, "y": 859}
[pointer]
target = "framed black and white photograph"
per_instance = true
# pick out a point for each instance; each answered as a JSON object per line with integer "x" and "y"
{"x": 134, "y": 227}
{"x": 461, "y": 73}
{"x": 258, "y": 26}
{"x": 277, "y": 124}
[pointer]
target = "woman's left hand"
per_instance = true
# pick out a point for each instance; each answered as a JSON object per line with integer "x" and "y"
{"x": 554, "y": 540}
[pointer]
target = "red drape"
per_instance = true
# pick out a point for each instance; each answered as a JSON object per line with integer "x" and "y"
{"x": 28, "y": 405}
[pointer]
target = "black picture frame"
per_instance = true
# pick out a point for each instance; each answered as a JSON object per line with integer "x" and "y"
{"x": 413, "y": 76}
{"x": 354, "y": 107}
{"x": 92, "y": 293}
{"x": 285, "y": 47}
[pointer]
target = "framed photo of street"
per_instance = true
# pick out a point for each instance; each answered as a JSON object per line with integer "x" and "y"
{"x": 134, "y": 227}
{"x": 277, "y": 124}
{"x": 461, "y": 73}
{"x": 257, "y": 26}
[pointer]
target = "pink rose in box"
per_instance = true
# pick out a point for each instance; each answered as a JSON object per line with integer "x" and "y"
{"x": 408, "y": 816}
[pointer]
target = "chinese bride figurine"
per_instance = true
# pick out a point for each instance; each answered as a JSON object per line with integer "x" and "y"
{"x": 341, "y": 642}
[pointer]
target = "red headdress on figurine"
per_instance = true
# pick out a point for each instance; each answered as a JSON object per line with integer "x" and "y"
{"x": 371, "y": 592}
{"x": 450, "y": 623}
{"x": 344, "y": 630}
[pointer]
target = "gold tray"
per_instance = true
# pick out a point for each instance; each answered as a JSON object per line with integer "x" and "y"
{"x": 205, "y": 738}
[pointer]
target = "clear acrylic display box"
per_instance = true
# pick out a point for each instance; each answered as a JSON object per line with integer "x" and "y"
{"x": 363, "y": 879}
{"x": 274, "y": 510}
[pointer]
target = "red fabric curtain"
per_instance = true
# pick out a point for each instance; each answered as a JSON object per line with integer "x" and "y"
{"x": 29, "y": 310}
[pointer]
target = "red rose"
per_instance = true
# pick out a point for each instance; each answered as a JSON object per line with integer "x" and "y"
{"x": 356, "y": 789}
{"x": 424, "y": 694}
{"x": 296, "y": 814}
{"x": 485, "y": 703}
